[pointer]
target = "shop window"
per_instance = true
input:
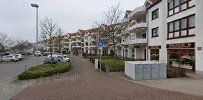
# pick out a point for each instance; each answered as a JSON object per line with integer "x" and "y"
{"x": 154, "y": 54}
{"x": 183, "y": 58}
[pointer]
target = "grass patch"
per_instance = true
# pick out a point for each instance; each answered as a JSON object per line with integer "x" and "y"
{"x": 44, "y": 70}
{"x": 114, "y": 67}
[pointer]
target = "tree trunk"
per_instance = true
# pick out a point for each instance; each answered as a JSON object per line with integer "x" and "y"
{"x": 114, "y": 49}
{"x": 51, "y": 48}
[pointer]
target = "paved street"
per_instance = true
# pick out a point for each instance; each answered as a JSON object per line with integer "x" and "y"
{"x": 93, "y": 85}
{"x": 9, "y": 70}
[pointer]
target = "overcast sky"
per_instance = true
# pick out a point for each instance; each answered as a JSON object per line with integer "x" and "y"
{"x": 17, "y": 17}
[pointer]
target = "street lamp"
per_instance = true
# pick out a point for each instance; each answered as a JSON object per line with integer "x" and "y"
{"x": 36, "y": 6}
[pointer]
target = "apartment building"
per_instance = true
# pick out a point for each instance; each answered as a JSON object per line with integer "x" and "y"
{"x": 168, "y": 31}
{"x": 66, "y": 44}
{"x": 84, "y": 41}
{"x": 165, "y": 30}
{"x": 174, "y": 33}
{"x": 134, "y": 41}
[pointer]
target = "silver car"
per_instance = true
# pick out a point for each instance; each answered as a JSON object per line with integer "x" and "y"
{"x": 12, "y": 58}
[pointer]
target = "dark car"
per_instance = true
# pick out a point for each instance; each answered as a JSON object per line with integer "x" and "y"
{"x": 54, "y": 59}
{"x": 46, "y": 53}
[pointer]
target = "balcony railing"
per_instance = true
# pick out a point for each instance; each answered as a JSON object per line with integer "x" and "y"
{"x": 137, "y": 25}
{"x": 138, "y": 41}
{"x": 78, "y": 40}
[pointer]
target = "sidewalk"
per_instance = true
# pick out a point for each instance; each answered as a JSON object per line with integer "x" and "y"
{"x": 189, "y": 85}
{"x": 94, "y": 85}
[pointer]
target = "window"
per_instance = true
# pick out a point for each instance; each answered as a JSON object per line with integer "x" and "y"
{"x": 181, "y": 27}
{"x": 155, "y": 14}
{"x": 155, "y": 32}
{"x": 176, "y": 6}
{"x": 177, "y": 26}
{"x": 170, "y": 27}
{"x": 176, "y": 3}
{"x": 183, "y": 1}
{"x": 184, "y": 23}
{"x": 192, "y": 21}
{"x": 170, "y": 4}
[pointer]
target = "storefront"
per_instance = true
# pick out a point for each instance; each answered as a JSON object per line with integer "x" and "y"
{"x": 182, "y": 55}
{"x": 154, "y": 53}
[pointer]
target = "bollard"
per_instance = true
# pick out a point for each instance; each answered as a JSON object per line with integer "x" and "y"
{"x": 25, "y": 67}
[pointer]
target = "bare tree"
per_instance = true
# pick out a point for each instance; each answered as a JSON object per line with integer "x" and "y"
{"x": 111, "y": 20}
{"x": 22, "y": 45}
{"x": 5, "y": 43}
{"x": 59, "y": 37}
{"x": 49, "y": 29}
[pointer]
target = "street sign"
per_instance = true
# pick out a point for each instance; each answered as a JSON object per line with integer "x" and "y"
{"x": 100, "y": 43}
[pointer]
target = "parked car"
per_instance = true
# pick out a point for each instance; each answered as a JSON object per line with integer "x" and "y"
{"x": 46, "y": 53}
{"x": 37, "y": 53}
{"x": 65, "y": 58}
{"x": 60, "y": 57}
{"x": 54, "y": 60}
{"x": 19, "y": 56}
{"x": 12, "y": 58}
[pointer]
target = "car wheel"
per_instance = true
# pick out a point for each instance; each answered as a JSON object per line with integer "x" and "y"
{"x": 12, "y": 60}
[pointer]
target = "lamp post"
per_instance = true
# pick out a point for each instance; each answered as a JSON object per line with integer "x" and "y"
{"x": 36, "y": 6}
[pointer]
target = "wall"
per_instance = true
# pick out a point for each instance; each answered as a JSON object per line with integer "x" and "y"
{"x": 199, "y": 35}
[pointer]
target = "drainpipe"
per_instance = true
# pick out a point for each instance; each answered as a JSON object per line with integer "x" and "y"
{"x": 147, "y": 34}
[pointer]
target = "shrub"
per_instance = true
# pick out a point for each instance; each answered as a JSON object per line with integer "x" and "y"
{"x": 44, "y": 70}
{"x": 112, "y": 66}
{"x": 92, "y": 58}
{"x": 173, "y": 72}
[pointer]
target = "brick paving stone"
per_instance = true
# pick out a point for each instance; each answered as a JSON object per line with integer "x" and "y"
{"x": 94, "y": 85}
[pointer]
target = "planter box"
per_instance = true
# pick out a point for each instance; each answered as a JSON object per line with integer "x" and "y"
{"x": 145, "y": 70}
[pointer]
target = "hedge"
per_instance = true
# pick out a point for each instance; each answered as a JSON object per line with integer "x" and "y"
{"x": 114, "y": 67}
{"x": 44, "y": 70}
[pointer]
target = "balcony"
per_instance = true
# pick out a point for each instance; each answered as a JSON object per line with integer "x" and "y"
{"x": 78, "y": 36}
{"x": 125, "y": 43}
{"x": 93, "y": 46}
{"x": 76, "y": 46}
{"x": 118, "y": 35}
{"x": 136, "y": 26}
{"x": 138, "y": 41}
{"x": 73, "y": 37}
{"x": 73, "y": 41}
{"x": 124, "y": 32}
{"x": 124, "y": 21}
{"x": 78, "y": 40}
{"x": 138, "y": 13}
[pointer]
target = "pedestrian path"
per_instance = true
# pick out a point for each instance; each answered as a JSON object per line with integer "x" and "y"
{"x": 89, "y": 84}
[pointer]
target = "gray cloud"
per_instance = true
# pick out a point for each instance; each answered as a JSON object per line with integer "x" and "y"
{"x": 17, "y": 18}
